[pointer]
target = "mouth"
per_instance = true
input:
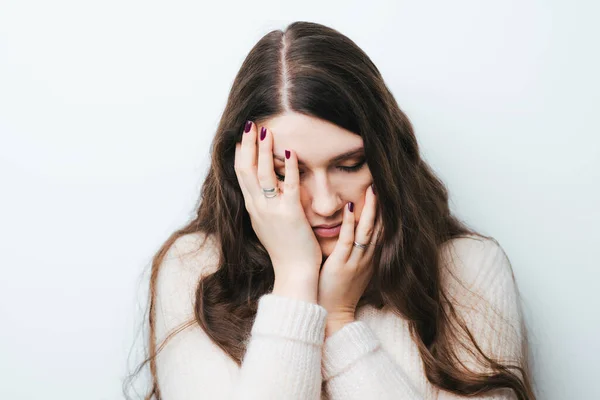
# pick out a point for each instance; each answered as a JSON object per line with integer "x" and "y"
{"x": 328, "y": 232}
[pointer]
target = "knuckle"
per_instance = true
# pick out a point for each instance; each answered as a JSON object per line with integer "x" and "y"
{"x": 263, "y": 176}
{"x": 290, "y": 185}
{"x": 245, "y": 170}
{"x": 347, "y": 242}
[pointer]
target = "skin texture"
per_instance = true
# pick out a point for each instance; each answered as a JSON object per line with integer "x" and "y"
{"x": 325, "y": 191}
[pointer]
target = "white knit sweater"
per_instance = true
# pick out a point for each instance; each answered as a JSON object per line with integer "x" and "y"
{"x": 287, "y": 356}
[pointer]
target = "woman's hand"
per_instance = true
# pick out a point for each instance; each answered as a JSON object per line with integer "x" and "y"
{"x": 347, "y": 271}
{"x": 279, "y": 222}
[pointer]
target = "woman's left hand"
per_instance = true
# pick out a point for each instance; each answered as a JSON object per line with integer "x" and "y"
{"x": 348, "y": 270}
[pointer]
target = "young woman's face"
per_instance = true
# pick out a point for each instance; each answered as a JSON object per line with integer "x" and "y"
{"x": 326, "y": 184}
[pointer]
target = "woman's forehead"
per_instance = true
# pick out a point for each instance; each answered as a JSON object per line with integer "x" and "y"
{"x": 314, "y": 140}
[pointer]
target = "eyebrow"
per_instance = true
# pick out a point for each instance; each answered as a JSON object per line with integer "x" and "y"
{"x": 344, "y": 156}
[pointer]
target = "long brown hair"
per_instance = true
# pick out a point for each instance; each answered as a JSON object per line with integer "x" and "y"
{"x": 315, "y": 70}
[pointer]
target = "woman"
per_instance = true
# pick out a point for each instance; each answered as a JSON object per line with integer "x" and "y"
{"x": 323, "y": 261}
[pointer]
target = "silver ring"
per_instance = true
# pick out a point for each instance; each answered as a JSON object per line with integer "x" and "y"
{"x": 361, "y": 246}
{"x": 270, "y": 192}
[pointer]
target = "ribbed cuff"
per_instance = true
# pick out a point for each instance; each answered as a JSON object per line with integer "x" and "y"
{"x": 290, "y": 318}
{"x": 346, "y": 346}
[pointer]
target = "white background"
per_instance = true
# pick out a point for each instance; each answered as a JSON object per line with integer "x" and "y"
{"x": 107, "y": 109}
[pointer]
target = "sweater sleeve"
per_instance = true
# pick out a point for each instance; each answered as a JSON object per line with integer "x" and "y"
{"x": 355, "y": 366}
{"x": 283, "y": 354}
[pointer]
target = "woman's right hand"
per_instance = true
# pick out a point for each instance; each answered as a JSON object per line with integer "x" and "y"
{"x": 279, "y": 222}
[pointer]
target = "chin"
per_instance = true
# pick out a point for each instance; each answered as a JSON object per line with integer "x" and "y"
{"x": 327, "y": 246}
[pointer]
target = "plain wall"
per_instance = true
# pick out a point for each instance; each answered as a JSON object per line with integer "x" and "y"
{"x": 107, "y": 111}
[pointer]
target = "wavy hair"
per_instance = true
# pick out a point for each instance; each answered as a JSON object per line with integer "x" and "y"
{"x": 315, "y": 70}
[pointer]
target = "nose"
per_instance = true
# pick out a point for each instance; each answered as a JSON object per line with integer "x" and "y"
{"x": 324, "y": 197}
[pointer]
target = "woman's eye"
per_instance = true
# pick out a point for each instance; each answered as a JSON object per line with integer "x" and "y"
{"x": 352, "y": 168}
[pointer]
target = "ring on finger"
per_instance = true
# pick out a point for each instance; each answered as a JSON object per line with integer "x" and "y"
{"x": 361, "y": 246}
{"x": 270, "y": 192}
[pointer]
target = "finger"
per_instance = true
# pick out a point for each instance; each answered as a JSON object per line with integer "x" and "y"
{"x": 378, "y": 231}
{"x": 343, "y": 247}
{"x": 365, "y": 228}
{"x": 291, "y": 181}
{"x": 377, "y": 234}
{"x": 246, "y": 162}
{"x": 266, "y": 169}
{"x": 370, "y": 251}
{"x": 238, "y": 152}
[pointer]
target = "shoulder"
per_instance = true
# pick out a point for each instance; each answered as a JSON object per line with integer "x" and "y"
{"x": 478, "y": 263}
{"x": 478, "y": 278}
{"x": 185, "y": 262}
{"x": 194, "y": 253}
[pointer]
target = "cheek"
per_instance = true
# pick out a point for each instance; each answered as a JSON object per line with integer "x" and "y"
{"x": 355, "y": 190}
{"x": 349, "y": 186}
{"x": 352, "y": 185}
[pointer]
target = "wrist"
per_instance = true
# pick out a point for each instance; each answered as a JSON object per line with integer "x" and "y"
{"x": 334, "y": 323}
{"x": 302, "y": 287}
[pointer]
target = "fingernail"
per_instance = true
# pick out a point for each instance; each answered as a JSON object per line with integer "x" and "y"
{"x": 351, "y": 206}
{"x": 263, "y": 133}
{"x": 287, "y": 154}
{"x": 248, "y": 126}
{"x": 373, "y": 188}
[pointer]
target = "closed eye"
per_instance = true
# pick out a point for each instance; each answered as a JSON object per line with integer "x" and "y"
{"x": 349, "y": 169}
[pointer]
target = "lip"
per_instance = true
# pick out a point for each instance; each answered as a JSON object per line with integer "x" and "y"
{"x": 327, "y": 226}
{"x": 332, "y": 231}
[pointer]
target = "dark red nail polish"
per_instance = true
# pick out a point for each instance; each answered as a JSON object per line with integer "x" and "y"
{"x": 287, "y": 154}
{"x": 263, "y": 133}
{"x": 248, "y": 126}
{"x": 351, "y": 206}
